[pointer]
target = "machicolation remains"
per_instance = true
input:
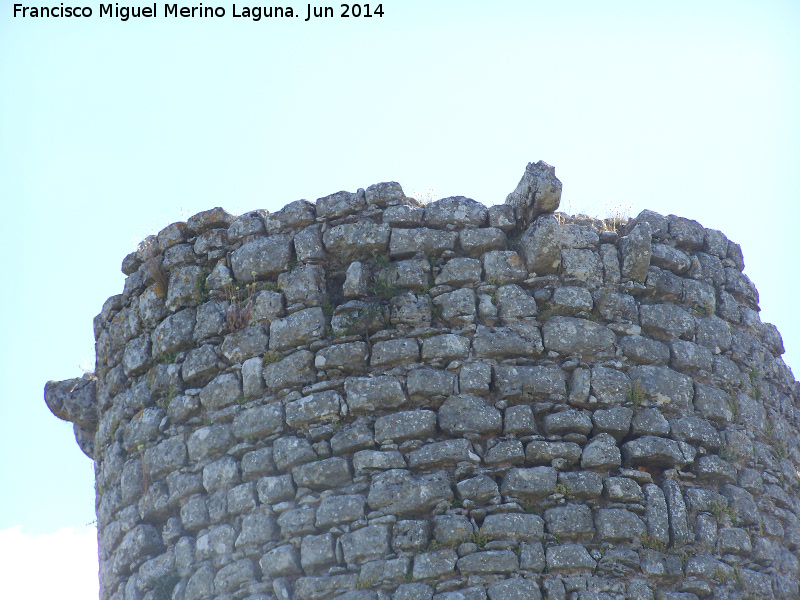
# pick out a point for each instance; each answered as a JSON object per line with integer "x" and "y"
{"x": 368, "y": 398}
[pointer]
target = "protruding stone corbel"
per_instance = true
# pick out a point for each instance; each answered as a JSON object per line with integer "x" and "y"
{"x": 538, "y": 192}
{"x": 75, "y": 400}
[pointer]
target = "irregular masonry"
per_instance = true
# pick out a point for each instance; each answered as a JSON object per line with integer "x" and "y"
{"x": 371, "y": 399}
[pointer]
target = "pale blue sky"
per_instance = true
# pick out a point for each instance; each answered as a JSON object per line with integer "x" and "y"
{"x": 110, "y": 130}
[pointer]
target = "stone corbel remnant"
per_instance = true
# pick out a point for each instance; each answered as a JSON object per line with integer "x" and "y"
{"x": 538, "y": 192}
{"x": 74, "y": 400}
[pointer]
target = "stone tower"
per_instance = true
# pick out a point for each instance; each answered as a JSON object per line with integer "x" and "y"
{"x": 366, "y": 398}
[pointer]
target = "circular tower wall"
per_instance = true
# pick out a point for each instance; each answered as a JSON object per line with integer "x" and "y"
{"x": 366, "y": 398}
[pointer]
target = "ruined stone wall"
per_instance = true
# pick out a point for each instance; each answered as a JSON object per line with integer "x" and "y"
{"x": 369, "y": 399}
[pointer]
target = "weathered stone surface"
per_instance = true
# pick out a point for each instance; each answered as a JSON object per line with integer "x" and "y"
{"x": 713, "y": 404}
{"x": 411, "y": 309}
{"x": 398, "y": 427}
{"x": 223, "y": 391}
{"x": 696, "y": 431}
{"x": 295, "y": 370}
{"x": 502, "y": 267}
{"x": 581, "y": 264}
{"x": 288, "y": 452}
{"x": 480, "y": 489}
{"x": 317, "y": 553}
{"x": 209, "y": 442}
{"x": 201, "y": 366}
{"x": 656, "y": 451}
{"x": 458, "y": 271}
{"x": 457, "y": 308}
{"x": 505, "y": 452}
{"x": 450, "y": 530}
{"x": 513, "y": 526}
{"x": 304, "y": 284}
{"x": 529, "y": 382}
{"x": 456, "y": 211}
{"x": 571, "y": 336}
{"x": 581, "y": 484}
{"x": 668, "y": 257}
{"x": 475, "y": 242}
{"x": 261, "y": 259}
{"x": 643, "y": 351}
{"x": 469, "y": 414}
{"x": 514, "y": 589}
{"x": 140, "y": 541}
{"x": 618, "y": 525}
{"x": 297, "y": 522}
{"x": 400, "y": 493}
{"x": 650, "y": 421}
{"x": 348, "y": 357}
{"x": 535, "y": 482}
{"x": 569, "y": 558}
{"x": 540, "y": 246}
{"x": 73, "y": 400}
{"x": 356, "y": 241}
{"x": 371, "y": 461}
{"x": 335, "y": 510}
{"x": 308, "y": 245}
{"x": 283, "y": 561}
{"x": 265, "y": 307}
{"x": 519, "y": 420}
{"x": 714, "y": 469}
{"x": 430, "y": 565}
{"x": 666, "y": 322}
{"x": 165, "y": 457}
{"x": 350, "y": 438}
{"x": 678, "y": 517}
{"x": 664, "y": 286}
{"x": 538, "y": 192}
{"x": 610, "y": 386}
{"x": 367, "y": 394}
{"x": 324, "y": 474}
{"x": 184, "y": 287}
{"x": 567, "y": 421}
{"x": 316, "y": 408}
{"x": 571, "y": 299}
{"x": 601, "y": 453}
{"x": 614, "y": 421}
{"x": 544, "y": 453}
{"x": 688, "y": 357}
{"x": 636, "y": 248}
{"x": 570, "y": 521}
{"x": 173, "y": 334}
{"x": 339, "y": 204}
{"x": 272, "y": 490}
{"x": 297, "y": 329}
{"x": 221, "y": 474}
{"x": 447, "y": 347}
{"x": 394, "y": 352}
{"x": 246, "y": 343}
{"x": 622, "y": 489}
{"x": 713, "y": 333}
{"x": 502, "y": 342}
{"x": 489, "y": 561}
{"x": 406, "y": 243}
{"x": 514, "y": 304}
{"x": 442, "y": 454}
{"x": 382, "y": 194}
{"x": 663, "y": 386}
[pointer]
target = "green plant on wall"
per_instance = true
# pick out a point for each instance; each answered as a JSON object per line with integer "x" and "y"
{"x": 635, "y": 394}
